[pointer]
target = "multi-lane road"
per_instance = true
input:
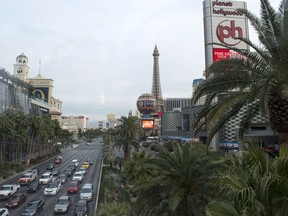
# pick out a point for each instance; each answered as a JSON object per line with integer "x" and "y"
{"x": 82, "y": 152}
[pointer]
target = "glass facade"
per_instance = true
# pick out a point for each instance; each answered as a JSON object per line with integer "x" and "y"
{"x": 13, "y": 94}
{"x": 13, "y": 98}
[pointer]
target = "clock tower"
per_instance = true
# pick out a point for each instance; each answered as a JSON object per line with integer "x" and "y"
{"x": 21, "y": 68}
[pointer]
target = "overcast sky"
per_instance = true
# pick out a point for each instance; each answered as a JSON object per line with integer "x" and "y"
{"x": 99, "y": 52}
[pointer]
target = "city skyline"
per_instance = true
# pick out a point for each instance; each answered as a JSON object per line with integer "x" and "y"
{"x": 99, "y": 53}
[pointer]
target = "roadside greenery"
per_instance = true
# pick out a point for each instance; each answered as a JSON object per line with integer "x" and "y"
{"x": 26, "y": 139}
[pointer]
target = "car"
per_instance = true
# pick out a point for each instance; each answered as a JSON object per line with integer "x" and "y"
{"x": 34, "y": 187}
{"x": 68, "y": 171}
{"x": 52, "y": 188}
{"x": 81, "y": 208}
{"x": 75, "y": 162}
{"x": 33, "y": 208}
{"x": 73, "y": 187}
{"x": 78, "y": 176}
{"x": 46, "y": 178}
{"x": 86, "y": 192}
{"x": 28, "y": 177}
{"x": 16, "y": 200}
{"x": 63, "y": 178}
{"x": 57, "y": 160}
{"x": 50, "y": 166}
{"x": 86, "y": 165}
{"x": 55, "y": 171}
{"x": 4, "y": 212}
{"x": 90, "y": 161}
{"x": 72, "y": 166}
{"x": 82, "y": 170}
{"x": 63, "y": 204}
{"x": 7, "y": 190}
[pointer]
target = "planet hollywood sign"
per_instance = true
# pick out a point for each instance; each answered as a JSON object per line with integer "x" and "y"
{"x": 230, "y": 29}
{"x": 224, "y": 12}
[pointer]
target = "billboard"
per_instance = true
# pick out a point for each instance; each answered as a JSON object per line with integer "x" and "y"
{"x": 220, "y": 54}
{"x": 147, "y": 123}
{"x": 223, "y": 24}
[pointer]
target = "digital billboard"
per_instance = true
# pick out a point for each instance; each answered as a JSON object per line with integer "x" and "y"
{"x": 220, "y": 54}
{"x": 147, "y": 124}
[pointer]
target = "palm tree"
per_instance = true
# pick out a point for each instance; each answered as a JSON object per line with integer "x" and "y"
{"x": 253, "y": 184}
{"x": 259, "y": 83}
{"x": 184, "y": 184}
{"x": 113, "y": 209}
{"x": 7, "y": 126}
{"x": 127, "y": 133}
{"x": 136, "y": 169}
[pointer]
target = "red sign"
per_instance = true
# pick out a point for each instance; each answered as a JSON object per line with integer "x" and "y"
{"x": 220, "y": 54}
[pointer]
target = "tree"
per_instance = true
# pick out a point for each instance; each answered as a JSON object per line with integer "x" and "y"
{"x": 258, "y": 81}
{"x": 113, "y": 209}
{"x": 127, "y": 133}
{"x": 253, "y": 184}
{"x": 136, "y": 169}
{"x": 184, "y": 183}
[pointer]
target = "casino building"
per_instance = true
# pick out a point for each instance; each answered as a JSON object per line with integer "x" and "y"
{"x": 34, "y": 96}
{"x": 42, "y": 95}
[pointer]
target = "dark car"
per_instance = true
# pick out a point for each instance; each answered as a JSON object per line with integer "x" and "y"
{"x": 33, "y": 187}
{"x": 72, "y": 166}
{"x": 81, "y": 208}
{"x": 33, "y": 208}
{"x": 50, "y": 166}
{"x": 58, "y": 160}
{"x": 55, "y": 171}
{"x": 16, "y": 200}
{"x": 73, "y": 187}
{"x": 63, "y": 177}
{"x": 68, "y": 171}
{"x": 90, "y": 161}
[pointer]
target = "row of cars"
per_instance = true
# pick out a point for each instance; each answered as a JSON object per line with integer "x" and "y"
{"x": 53, "y": 184}
{"x": 86, "y": 192}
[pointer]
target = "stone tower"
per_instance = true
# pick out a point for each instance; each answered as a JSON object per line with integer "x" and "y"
{"x": 21, "y": 68}
{"x": 156, "y": 85}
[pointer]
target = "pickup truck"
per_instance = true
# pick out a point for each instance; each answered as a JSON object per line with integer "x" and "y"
{"x": 8, "y": 190}
{"x": 28, "y": 177}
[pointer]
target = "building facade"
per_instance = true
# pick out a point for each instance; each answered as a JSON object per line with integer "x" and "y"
{"x": 14, "y": 94}
{"x": 73, "y": 123}
{"x": 178, "y": 125}
{"x": 42, "y": 94}
{"x": 172, "y": 104}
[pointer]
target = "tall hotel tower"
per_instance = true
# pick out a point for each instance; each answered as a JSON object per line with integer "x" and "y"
{"x": 156, "y": 86}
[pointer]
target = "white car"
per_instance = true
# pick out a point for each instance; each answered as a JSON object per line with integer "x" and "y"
{"x": 75, "y": 162}
{"x": 4, "y": 212}
{"x": 82, "y": 170}
{"x": 52, "y": 188}
{"x": 86, "y": 192}
{"x": 46, "y": 178}
{"x": 63, "y": 204}
{"x": 78, "y": 176}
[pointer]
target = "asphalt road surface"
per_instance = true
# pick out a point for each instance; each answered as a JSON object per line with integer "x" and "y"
{"x": 82, "y": 152}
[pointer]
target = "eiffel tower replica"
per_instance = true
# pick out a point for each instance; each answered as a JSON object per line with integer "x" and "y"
{"x": 156, "y": 85}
